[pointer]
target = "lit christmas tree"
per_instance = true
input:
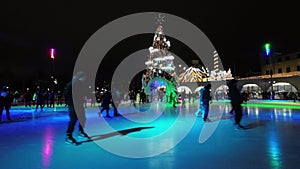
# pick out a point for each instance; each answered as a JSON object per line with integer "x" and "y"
{"x": 160, "y": 64}
{"x": 159, "y": 57}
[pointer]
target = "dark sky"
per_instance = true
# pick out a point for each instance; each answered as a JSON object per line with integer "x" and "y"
{"x": 237, "y": 30}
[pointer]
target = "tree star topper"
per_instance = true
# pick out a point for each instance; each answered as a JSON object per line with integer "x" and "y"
{"x": 160, "y": 19}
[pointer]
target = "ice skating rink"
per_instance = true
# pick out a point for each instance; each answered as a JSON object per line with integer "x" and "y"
{"x": 155, "y": 137}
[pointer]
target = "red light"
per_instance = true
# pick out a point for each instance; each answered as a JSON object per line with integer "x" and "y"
{"x": 52, "y": 53}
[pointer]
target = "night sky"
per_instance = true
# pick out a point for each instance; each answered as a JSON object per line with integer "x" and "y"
{"x": 237, "y": 30}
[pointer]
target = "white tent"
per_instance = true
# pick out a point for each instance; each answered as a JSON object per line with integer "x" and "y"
{"x": 182, "y": 88}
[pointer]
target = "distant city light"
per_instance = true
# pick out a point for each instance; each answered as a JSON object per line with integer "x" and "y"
{"x": 267, "y": 48}
{"x": 52, "y": 52}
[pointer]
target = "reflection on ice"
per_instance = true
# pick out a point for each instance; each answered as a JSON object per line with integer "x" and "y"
{"x": 274, "y": 113}
{"x": 274, "y": 150}
{"x": 47, "y": 147}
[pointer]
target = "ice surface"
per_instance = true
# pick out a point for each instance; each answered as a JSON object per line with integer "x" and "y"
{"x": 35, "y": 140}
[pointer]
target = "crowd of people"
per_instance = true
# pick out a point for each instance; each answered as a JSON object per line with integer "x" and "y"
{"x": 107, "y": 98}
{"x": 236, "y": 99}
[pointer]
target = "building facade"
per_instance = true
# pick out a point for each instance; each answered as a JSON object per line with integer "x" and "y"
{"x": 280, "y": 63}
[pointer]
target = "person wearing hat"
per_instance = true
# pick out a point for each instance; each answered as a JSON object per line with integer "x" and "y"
{"x": 76, "y": 83}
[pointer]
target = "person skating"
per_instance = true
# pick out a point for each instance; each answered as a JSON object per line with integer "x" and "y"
{"x": 206, "y": 99}
{"x": 5, "y": 102}
{"x": 39, "y": 99}
{"x": 236, "y": 101}
{"x": 115, "y": 100}
{"x": 106, "y": 99}
{"x": 76, "y": 83}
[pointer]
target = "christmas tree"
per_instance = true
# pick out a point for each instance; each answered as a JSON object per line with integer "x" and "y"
{"x": 160, "y": 65}
{"x": 160, "y": 61}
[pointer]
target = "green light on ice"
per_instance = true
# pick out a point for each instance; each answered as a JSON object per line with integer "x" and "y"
{"x": 271, "y": 106}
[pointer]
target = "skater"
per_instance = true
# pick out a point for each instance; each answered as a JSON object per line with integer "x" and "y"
{"x": 46, "y": 98}
{"x": 59, "y": 98}
{"x": 106, "y": 98}
{"x": 5, "y": 102}
{"x": 16, "y": 98}
{"x": 173, "y": 98}
{"x": 115, "y": 101}
{"x": 201, "y": 108}
{"x": 236, "y": 101}
{"x": 143, "y": 97}
{"x": 52, "y": 99}
{"x": 190, "y": 96}
{"x": 39, "y": 99}
{"x": 76, "y": 82}
{"x": 183, "y": 96}
{"x": 206, "y": 99}
{"x": 132, "y": 98}
{"x": 27, "y": 98}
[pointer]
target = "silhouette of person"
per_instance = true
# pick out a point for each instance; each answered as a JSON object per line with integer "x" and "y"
{"x": 59, "y": 98}
{"x": 39, "y": 99}
{"x": 143, "y": 97}
{"x": 116, "y": 101}
{"x": 132, "y": 97}
{"x": 236, "y": 101}
{"x": 5, "y": 102}
{"x": 183, "y": 96}
{"x": 27, "y": 98}
{"x": 46, "y": 98}
{"x": 200, "y": 110}
{"x": 76, "y": 83}
{"x": 51, "y": 99}
{"x": 173, "y": 99}
{"x": 106, "y": 99}
{"x": 16, "y": 98}
{"x": 206, "y": 99}
{"x": 190, "y": 96}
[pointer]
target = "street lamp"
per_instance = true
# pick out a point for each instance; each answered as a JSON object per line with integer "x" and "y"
{"x": 267, "y": 49}
{"x": 269, "y": 54}
{"x": 52, "y": 53}
{"x": 52, "y": 56}
{"x": 53, "y": 78}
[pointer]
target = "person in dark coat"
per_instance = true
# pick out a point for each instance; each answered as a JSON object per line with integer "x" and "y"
{"x": 173, "y": 98}
{"x": 206, "y": 99}
{"x": 76, "y": 83}
{"x": 132, "y": 97}
{"x": 236, "y": 101}
{"x": 143, "y": 97}
{"x": 40, "y": 101}
{"x": 46, "y": 98}
{"x": 115, "y": 101}
{"x": 59, "y": 98}
{"x": 52, "y": 99}
{"x": 5, "y": 102}
{"x": 27, "y": 98}
{"x": 106, "y": 100}
{"x": 183, "y": 96}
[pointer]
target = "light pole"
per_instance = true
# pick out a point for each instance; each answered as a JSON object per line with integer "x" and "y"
{"x": 53, "y": 78}
{"x": 269, "y": 54}
{"x": 52, "y": 56}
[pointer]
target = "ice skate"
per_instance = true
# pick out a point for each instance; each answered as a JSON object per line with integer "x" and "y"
{"x": 83, "y": 135}
{"x": 71, "y": 140}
